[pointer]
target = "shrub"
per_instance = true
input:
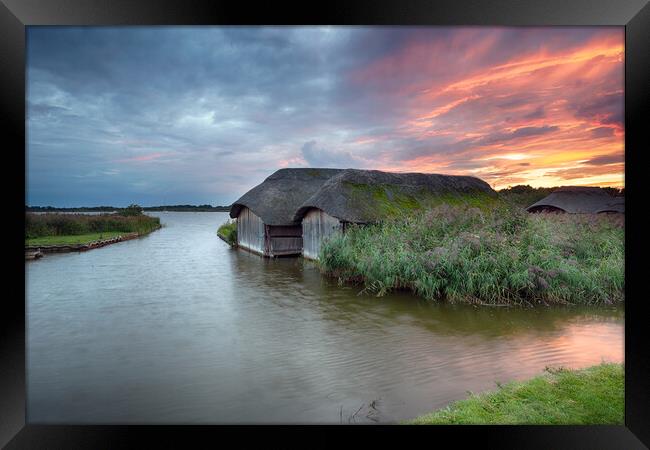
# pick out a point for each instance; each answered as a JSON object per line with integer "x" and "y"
{"x": 228, "y": 232}
{"x": 131, "y": 210}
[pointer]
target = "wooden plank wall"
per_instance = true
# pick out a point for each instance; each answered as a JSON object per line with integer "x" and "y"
{"x": 316, "y": 226}
{"x": 284, "y": 240}
{"x": 281, "y": 246}
{"x": 284, "y": 231}
{"x": 250, "y": 231}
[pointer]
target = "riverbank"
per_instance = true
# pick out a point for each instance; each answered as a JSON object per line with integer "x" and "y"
{"x": 71, "y": 239}
{"x": 595, "y": 395}
{"x": 56, "y": 233}
{"x": 493, "y": 256}
{"x": 36, "y": 250}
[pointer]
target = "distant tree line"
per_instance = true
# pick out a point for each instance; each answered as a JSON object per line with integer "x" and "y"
{"x": 185, "y": 208}
{"x": 525, "y": 188}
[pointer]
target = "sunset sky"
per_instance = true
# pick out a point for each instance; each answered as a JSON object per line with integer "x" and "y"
{"x": 168, "y": 115}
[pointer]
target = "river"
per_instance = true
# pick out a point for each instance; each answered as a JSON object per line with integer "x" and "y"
{"x": 176, "y": 327}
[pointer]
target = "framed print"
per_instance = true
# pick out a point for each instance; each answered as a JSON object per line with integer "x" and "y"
{"x": 389, "y": 214}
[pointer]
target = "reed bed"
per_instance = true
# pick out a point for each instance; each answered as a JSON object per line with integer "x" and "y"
{"x": 494, "y": 256}
{"x": 42, "y": 225}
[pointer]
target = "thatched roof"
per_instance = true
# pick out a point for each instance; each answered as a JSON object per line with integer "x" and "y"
{"x": 617, "y": 205}
{"x": 363, "y": 196}
{"x": 575, "y": 199}
{"x": 278, "y": 197}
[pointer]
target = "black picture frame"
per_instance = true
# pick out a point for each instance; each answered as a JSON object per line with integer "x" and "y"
{"x": 15, "y": 15}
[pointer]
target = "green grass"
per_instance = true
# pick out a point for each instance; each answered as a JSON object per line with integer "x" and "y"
{"x": 460, "y": 253}
{"x": 72, "y": 239}
{"x": 590, "y": 396}
{"x": 228, "y": 232}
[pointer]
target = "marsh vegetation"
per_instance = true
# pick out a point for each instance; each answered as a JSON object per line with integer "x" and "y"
{"x": 228, "y": 232}
{"x": 495, "y": 255}
{"x": 58, "y": 228}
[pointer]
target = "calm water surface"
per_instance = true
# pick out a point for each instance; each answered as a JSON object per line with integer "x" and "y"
{"x": 176, "y": 327}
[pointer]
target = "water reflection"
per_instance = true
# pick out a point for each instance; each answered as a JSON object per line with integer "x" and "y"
{"x": 178, "y": 328}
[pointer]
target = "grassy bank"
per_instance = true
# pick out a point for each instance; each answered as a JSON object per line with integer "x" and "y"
{"x": 497, "y": 255}
{"x": 589, "y": 396}
{"x": 73, "y": 239}
{"x": 228, "y": 232}
{"x": 72, "y": 228}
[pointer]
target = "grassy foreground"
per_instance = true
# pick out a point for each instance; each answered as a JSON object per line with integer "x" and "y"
{"x": 582, "y": 397}
{"x": 72, "y": 239}
{"x": 495, "y": 255}
{"x": 228, "y": 232}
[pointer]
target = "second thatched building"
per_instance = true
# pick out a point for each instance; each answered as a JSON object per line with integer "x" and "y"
{"x": 579, "y": 200}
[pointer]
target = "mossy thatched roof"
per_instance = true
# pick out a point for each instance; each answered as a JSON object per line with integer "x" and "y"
{"x": 578, "y": 200}
{"x": 278, "y": 197}
{"x": 616, "y": 205}
{"x": 363, "y": 196}
{"x": 352, "y": 195}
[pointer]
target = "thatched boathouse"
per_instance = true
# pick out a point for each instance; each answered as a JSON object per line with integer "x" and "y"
{"x": 616, "y": 206}
{"x": 367, "y": 196}
{"x": 578, "y": 200}
{"x": 265, "y": 214}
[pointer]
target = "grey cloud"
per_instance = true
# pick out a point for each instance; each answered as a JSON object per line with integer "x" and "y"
{"x": 607, "y": 108}
{"x": 444, "y": 145}
{"x": 537, "y": 113}
{"x": 601, "y": 132}
{"x": 606, "y": 160}
{"x": 213, "y": 101}
{"x": 320, "y": 157}
{"x": 499, "y": 137}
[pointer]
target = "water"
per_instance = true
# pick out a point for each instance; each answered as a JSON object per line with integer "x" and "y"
{"x": 176, "y": 327}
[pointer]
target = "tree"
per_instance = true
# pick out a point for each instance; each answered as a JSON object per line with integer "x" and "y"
{"x": 132, "y": 210}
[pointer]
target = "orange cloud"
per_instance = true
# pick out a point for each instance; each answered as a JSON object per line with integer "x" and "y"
{"x": 535, "y": 118}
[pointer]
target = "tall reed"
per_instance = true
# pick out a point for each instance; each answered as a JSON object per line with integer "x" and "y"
{"x": 501, "y": 255}
{"x": 40, "y": 225}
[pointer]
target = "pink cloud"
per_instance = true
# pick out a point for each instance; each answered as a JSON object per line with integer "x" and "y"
{"x": 467, "y": 101}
